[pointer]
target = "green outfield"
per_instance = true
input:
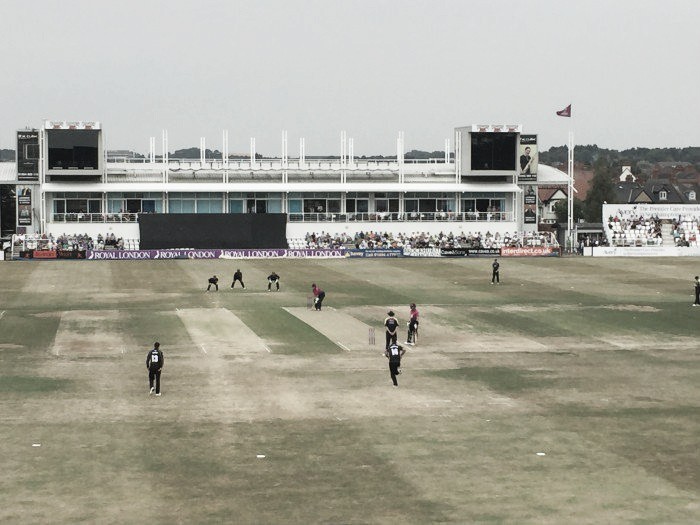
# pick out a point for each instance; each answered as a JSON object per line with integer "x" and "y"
{"x": 570, "y": 393}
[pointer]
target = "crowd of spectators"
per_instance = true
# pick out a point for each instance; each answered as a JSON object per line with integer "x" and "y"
{"x": 685, "y": 231}
{"x": 640, "y": 230}
{"x": 634, "y": 230}
{"x": 375, "y": 239}
{"x": 77, "y": 242}
{"x": 323, "y": 240}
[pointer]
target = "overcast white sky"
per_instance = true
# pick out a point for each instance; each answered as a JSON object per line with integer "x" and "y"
{"x": 372, "y": 68}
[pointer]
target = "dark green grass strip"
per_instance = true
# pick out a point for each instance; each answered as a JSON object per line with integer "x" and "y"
{"x": 663, "y": 440}
{"x": 313, "y": 472}
{"x": 22, "y": 385}
{"x": 276, "y": 324}
{"x": 500, "y": 379}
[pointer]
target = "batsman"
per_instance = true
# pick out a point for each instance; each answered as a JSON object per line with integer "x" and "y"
{"x": 412, "y": 326}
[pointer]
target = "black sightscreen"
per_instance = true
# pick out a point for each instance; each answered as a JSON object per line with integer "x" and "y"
{"x": 73, "y": 149}
{"x": 213, "y": 230}
{"x": 493, "y": 151}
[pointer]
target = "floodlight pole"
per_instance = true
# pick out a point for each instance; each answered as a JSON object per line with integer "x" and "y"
{"x": 400, "y": 146}
{"x": 285, "y": 156}
{"x": 302, "y": 153}
{"x": 570, "y": 197}
{"x": 224, "y": 154}
{"x": 343, "y": 155}
{"x": 152, "y": 150}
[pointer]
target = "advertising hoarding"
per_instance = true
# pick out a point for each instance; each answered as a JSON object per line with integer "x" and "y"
{"x": 528, "y": 158}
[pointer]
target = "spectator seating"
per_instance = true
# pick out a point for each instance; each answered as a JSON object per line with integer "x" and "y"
{"x": 374, "y": 239}
{"x": 634, "y": 231}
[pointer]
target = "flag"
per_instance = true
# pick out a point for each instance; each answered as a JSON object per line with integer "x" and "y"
{"x": 566, "y": 112}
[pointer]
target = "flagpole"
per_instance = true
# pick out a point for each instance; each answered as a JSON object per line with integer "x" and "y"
{"x": 570, "y": 203}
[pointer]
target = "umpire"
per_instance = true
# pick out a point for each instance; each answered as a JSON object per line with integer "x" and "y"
{"x": 154, "y": 364}
{"x": 392, "y": 326}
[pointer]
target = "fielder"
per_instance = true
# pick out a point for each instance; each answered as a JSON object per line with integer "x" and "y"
{"x": 273, "y": 278}
{"x": 154, "y": 364}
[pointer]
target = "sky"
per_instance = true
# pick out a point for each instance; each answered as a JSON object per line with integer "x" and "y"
{"x": 370, "y": 68}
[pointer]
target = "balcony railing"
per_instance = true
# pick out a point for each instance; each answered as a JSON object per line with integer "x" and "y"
{"x": 95, "y": 217}
{"x": 497, "y": 216}
{"x": 441, "y": 216}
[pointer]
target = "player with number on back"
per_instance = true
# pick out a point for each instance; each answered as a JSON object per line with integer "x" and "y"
{"x": 394, "y": 353}
{"x": 154, "y": 364}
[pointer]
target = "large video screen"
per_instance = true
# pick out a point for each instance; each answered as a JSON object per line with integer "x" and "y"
{"x": 212, "y": 230}
{"x": 73, "y": 149}
{"x": 493, "y": 151}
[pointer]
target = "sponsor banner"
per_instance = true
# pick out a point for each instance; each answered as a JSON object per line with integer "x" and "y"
{"x": 643, "y": 251}
{"x": 470, "y": 252}
{"x": 24, "y": 206}
{"x": 453, "y": 252}
{"x": 531, "y": 251}
{"x": 290, "y": 254}
{"x": 530, "y": 214}
{"x": 527, "y": 152}
{"x": 70, "y": 254}
{"x": 421, "y": 252}
{"x": 147, "y": 255}
{"x": 375, "y": 252}
{"x": 44, "y": 254}
{"x": 68, "y": 124}
{"x": 28, "y": 156}
{"x": 496, "y": 128}
{"x": 529, "y": 204}
{"x": 530, "y": 195}
{"x": 483, "y": 252}
{"x": 136, "y": 255}
{"x": 662, "y": 211}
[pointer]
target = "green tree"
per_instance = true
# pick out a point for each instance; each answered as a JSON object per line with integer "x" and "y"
{"x": 602, "y": 190}
{"x": 561, "y": 209}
